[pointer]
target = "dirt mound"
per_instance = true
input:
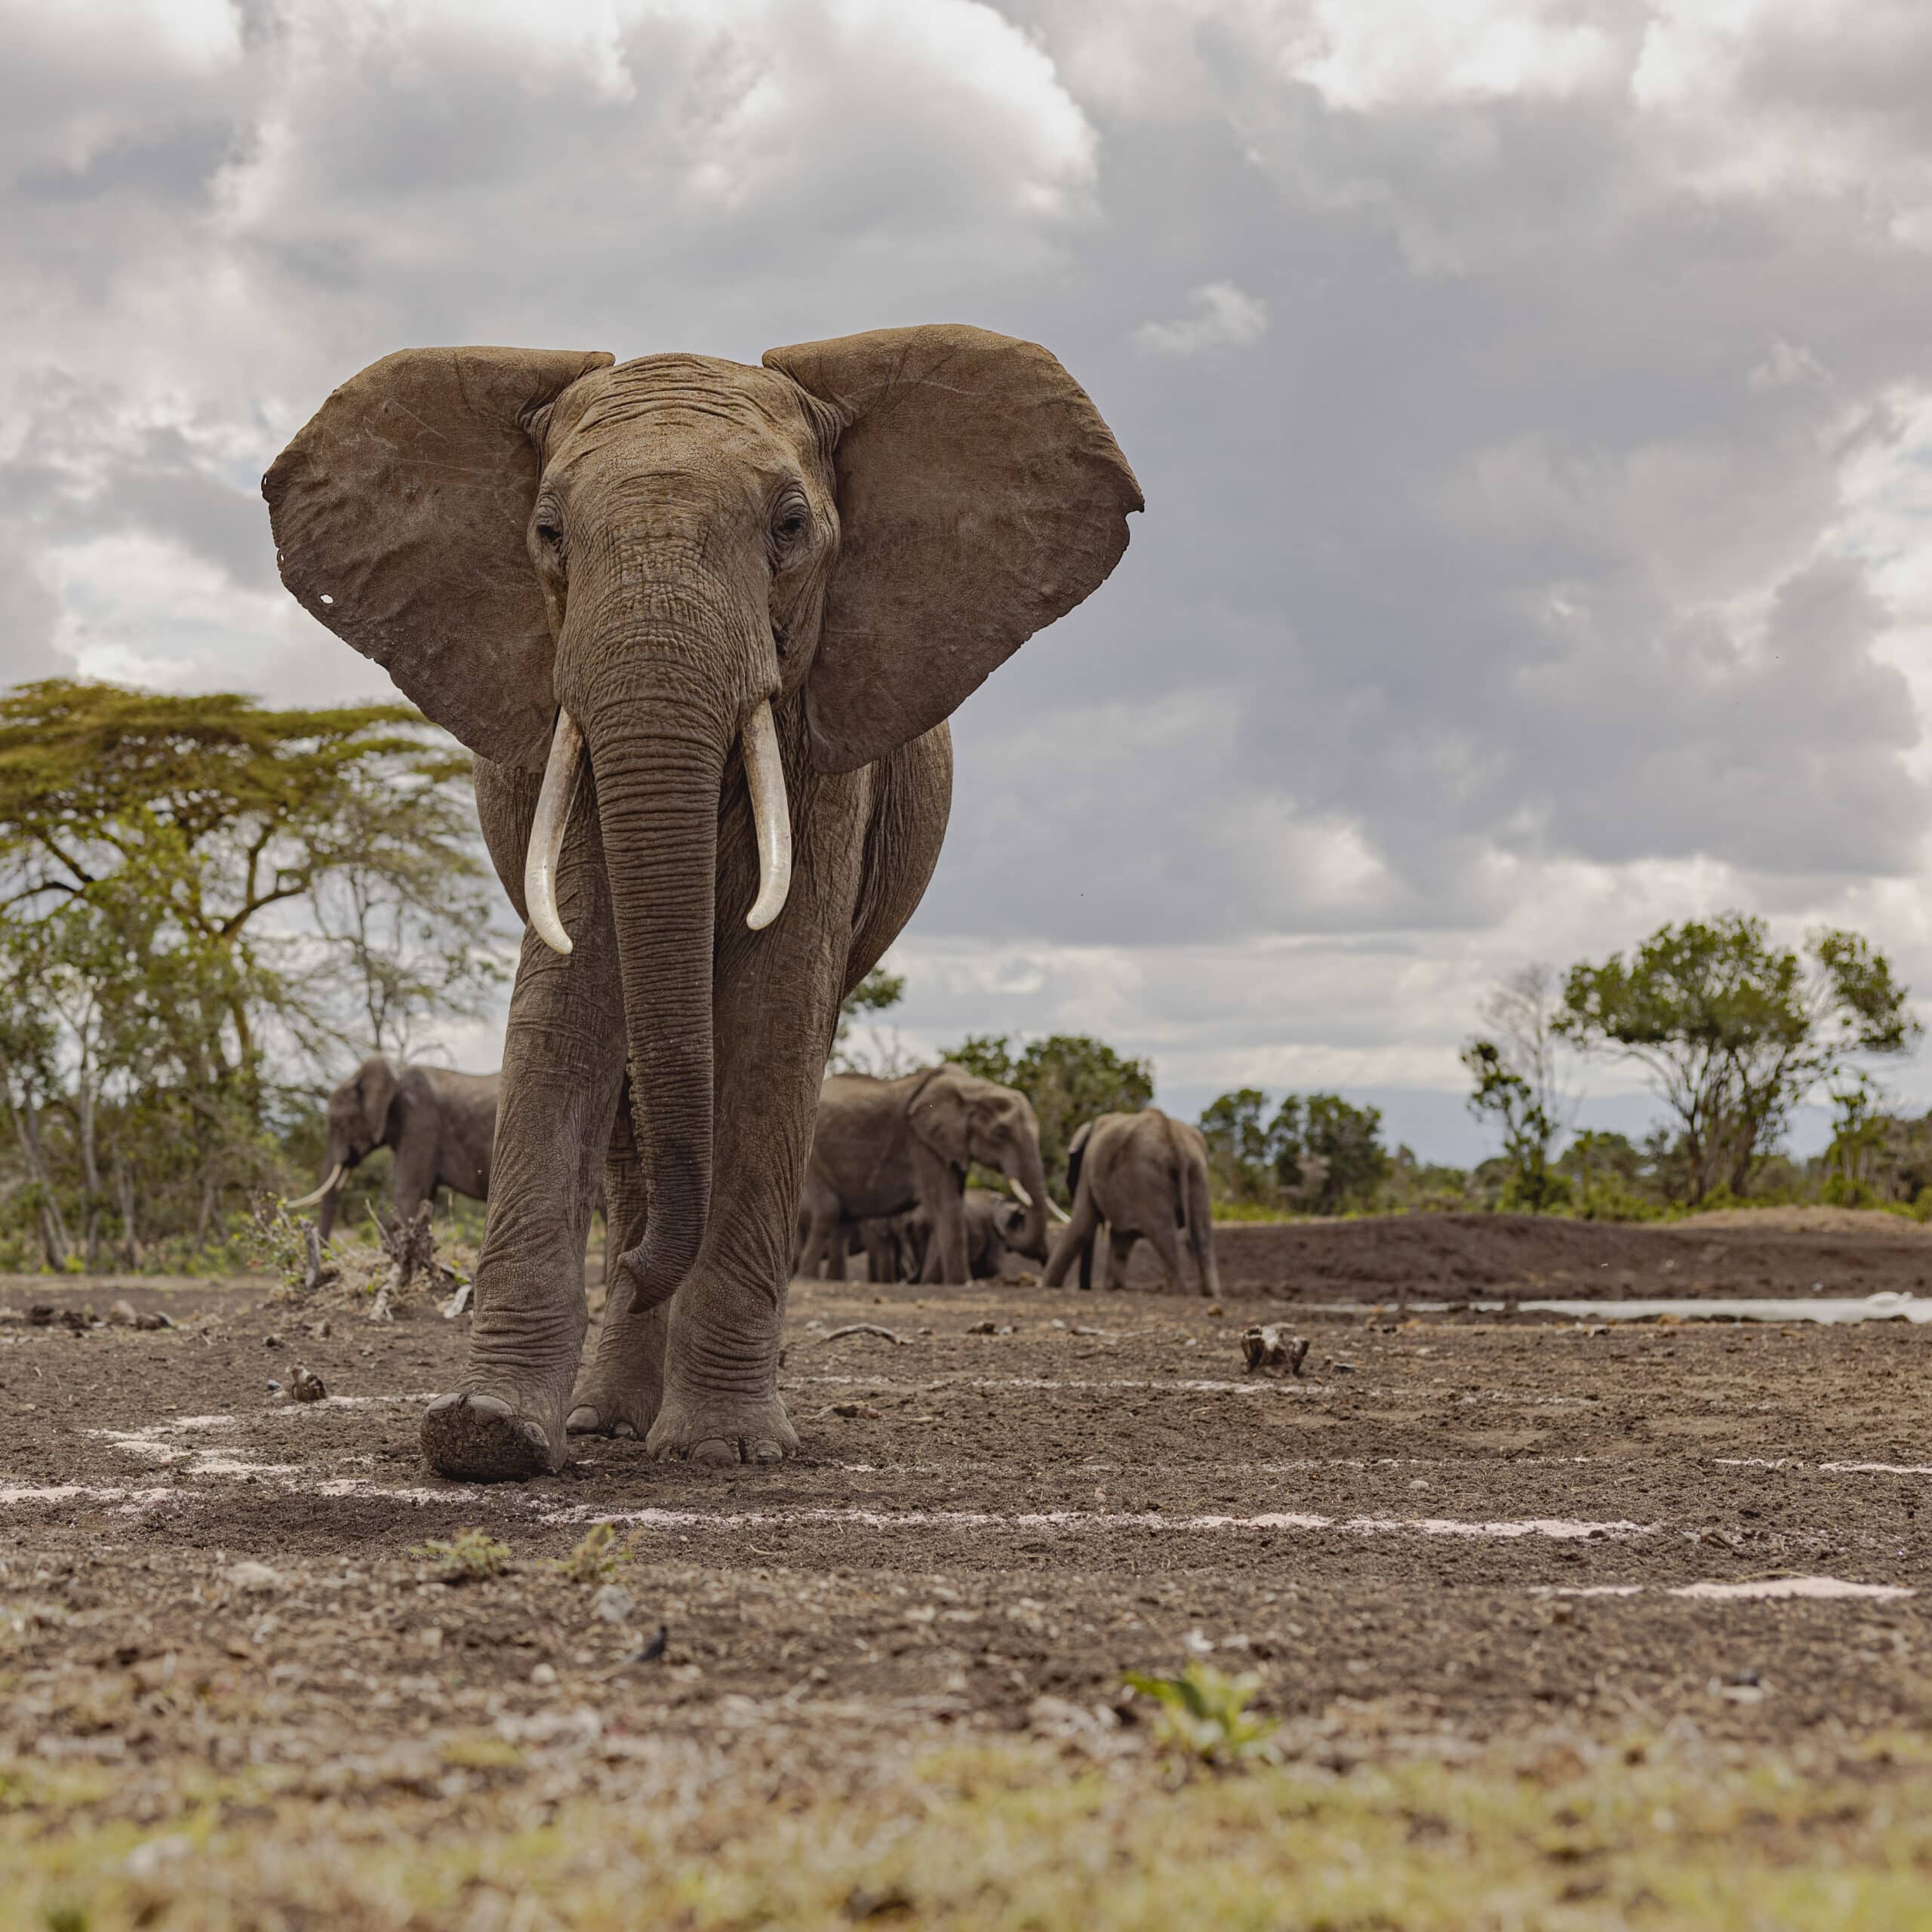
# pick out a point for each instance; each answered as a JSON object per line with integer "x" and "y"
{"x": 1755, "y": 1251}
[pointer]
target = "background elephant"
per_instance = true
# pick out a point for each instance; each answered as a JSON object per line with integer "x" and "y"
{"x": 702, "y": 624}
{"x": 1142, "y": 1174}
{"x": 883, "y": 1147}
{"x": 439, "y": 1124}
{"x": 895, "y": 1245}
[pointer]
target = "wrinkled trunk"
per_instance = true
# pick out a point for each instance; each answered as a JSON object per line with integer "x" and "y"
{"x": 657, "y": 763}
{"x": 1022, "y": 1164}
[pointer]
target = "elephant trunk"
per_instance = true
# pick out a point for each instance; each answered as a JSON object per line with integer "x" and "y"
{"x": 1028, "y": 1180}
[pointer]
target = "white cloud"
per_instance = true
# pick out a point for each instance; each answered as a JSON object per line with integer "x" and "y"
{"x": 1223, "y": 317}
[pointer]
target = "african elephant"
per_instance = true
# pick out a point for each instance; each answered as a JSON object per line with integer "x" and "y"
{"x": 882, "y": 1147}
{"x": 1142, "y": 1174}
{"x": 895, "y": 1245}
{"x": 439, "y": 1123}
{"x": 702, "y": 624}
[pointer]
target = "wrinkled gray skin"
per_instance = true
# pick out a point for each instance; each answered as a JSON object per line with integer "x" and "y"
{"x": 859, "y": 532}
{"x": 439, "y": 1125}
{"x": 884, "y": 1147}
{"x": 1141, "y": 1173}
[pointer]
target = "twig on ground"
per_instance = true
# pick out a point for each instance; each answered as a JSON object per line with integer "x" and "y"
{"x": 865, "y": 1328}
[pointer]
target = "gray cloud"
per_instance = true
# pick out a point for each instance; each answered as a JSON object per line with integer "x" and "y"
{"x": 1498, "y": 404}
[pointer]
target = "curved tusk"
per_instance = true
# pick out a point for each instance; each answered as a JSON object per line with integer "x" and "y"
{"x": 1058, "y": 1212}
{"x": 560, "y": 774}
{"x": 1020, "y": 1194}
{"x": 309, "y": 1200}
{"x": 771, "y": 814}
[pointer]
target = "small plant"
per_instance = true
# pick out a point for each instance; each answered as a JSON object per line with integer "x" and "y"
{"x": 472, "y": 1554}
{"x": 1204, "y": 1714}
{"x": 595, "y": 1560}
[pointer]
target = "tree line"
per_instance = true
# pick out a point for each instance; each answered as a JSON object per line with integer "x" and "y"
{"x": 207, "y": 907}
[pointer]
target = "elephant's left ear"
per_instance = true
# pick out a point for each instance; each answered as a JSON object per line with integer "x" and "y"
{"x": 980, "y": 496}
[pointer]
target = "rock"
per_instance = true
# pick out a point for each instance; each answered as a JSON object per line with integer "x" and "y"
{"x": 1273, "y": 1347}
{"x": 145, "y": 1860}
{"x": 11, "y": 1316}
{"x": 307, "y": 1384}
{"x": 122, "y": 1315}
{"x": 271, "y": 1341}
{"x": 544, "y": 1674}
{"x": 253, "y": 1579}
{"x": 614, "y": 1603}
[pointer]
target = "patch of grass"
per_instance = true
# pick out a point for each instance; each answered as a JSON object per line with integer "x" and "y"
{"x": 471, "y": 1553}
{"x": 1204, "y": 1716}
{"x": 1005, "y": 1835}
{"x": 596, "y": 1559}
{"x": 480, "y": 1751}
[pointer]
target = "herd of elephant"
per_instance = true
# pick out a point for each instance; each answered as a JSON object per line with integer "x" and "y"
{"x": 887, "y": 1178}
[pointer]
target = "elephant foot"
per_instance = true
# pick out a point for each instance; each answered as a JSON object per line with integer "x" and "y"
{"x": 601, "y": 1407}
{"x": 482, "y": 1438}
{"x": 721, "y": 1429}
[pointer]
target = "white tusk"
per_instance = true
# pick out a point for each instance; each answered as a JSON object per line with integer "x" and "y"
{"x": 771, "y": 814}
{"x": 309, "y": 1200}
{"x": 1058, "y": 1212}
{"x": 561, "y": 775}
{"x": 1020, "y": 1194}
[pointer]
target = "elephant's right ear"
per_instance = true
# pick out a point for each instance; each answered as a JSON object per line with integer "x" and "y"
{"x": 400, "y": 515}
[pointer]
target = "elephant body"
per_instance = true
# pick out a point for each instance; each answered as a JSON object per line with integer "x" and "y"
{"x": 438, "y": 1123}
{"x": 1142, "y": 1174}
{"x": 885, "y": 1148}
{"x": 701, "y": 625}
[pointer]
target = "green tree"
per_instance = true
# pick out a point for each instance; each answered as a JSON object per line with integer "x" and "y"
{"x": 1069, "y": 1077}
{"x": 174, "y": 876}
{"x": 1734, "y": 1031}
{"x": 1500, "y": 1093}
{"x": 1241, "y": 1149}
{"x": 1328, "y": 1152}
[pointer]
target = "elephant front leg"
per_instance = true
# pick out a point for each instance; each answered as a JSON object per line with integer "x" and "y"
{"x": 563, "y": 1064}
{"x": 619, "y": 1389}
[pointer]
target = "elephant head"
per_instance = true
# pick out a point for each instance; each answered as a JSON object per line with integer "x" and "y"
{"x": 974, "y": 1122}
{"x": 574, "y": 566}
{"x": 358, "y": 1116}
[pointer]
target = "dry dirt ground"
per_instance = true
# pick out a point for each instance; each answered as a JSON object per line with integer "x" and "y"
{"x": 1533, "y": 1606}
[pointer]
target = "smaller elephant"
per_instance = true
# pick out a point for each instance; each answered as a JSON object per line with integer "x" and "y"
{"x": 883, "y": 1147}
{"x": 1142, "y": 1174}
{"x": 440, "y": 1125}
{"x": 897, "y": 1246}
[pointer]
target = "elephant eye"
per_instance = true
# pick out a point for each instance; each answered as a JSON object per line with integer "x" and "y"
{"x": 549, "y": 529}
{"x": 790, "y": 521}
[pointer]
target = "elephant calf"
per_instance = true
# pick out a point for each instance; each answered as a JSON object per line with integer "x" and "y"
{"x": 440, "y": 1125}
{"x": 884, "y": 1147}
{"x": 1142, "y": 1174}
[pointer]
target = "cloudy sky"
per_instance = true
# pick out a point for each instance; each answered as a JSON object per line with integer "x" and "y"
{"x": 1533, "y": 398}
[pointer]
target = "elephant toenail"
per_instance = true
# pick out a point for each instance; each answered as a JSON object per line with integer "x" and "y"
{"x": 714, "y": 1451}
{"x": 444, "y": 1402}
{"x": 488, "y": 1405}
{"x": 764, "y": 1450}
{"x": 582, "y": 1422}
{"x": 624, "y": 1431}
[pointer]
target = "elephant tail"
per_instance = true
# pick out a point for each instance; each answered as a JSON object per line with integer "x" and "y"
{"x": 1076, "y": 1152}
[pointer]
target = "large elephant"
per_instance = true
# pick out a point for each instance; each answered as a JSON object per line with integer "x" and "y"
{"x": 1142, "y": 1174}
{"x": 702, "y": 624}
{"x": 438, "y": 1123}
{"x": 884, "y": 1147}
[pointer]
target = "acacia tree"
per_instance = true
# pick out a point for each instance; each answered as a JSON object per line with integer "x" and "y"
{"x": 1734, "y": 1031}
{"x": 172, "y": 873}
